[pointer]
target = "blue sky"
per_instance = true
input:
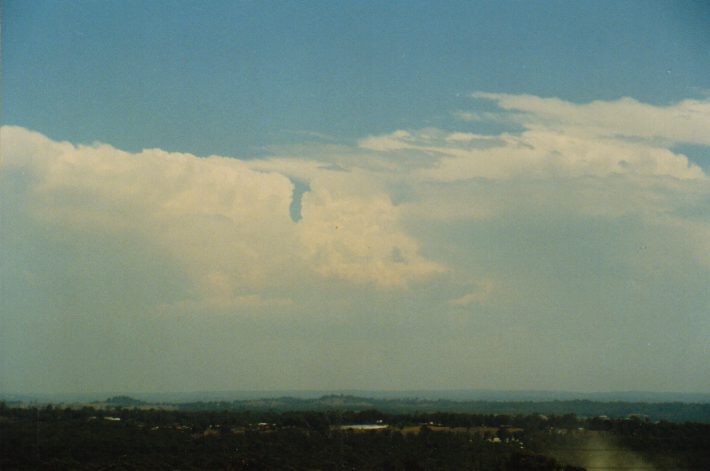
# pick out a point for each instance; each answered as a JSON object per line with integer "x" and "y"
{"x": 372, "y": 195}
{"x": 231, "y": 77}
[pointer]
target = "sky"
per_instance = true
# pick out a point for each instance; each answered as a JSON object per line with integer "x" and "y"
{"x": 211, "y": 196}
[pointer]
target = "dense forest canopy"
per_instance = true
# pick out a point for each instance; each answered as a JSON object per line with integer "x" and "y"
{"x": 178, "y": 438}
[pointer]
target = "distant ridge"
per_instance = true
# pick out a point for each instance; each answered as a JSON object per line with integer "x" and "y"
{"x": 429, "y": 395}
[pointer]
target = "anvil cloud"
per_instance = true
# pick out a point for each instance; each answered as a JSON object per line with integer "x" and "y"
{"x": 584, "y": 207}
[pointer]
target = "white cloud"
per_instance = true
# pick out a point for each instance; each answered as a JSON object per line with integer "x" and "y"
{"x": 540, "y": 153}
{"x": 467, "y": 137}
{"x": 687, "y": 121}
{"x": 357, "y": 239}
{"x": 481, "y": 294}
{"x": 582, "y": 169}
{"x": 225, "y": 220}
{"x": 396, "y": 141}
{"x": 553, "y": 233}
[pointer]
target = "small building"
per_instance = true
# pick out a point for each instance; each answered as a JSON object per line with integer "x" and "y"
{"x": 379, "y": 426}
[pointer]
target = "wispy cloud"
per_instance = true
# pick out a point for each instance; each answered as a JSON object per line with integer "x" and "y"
{"x": 687, "y": 121}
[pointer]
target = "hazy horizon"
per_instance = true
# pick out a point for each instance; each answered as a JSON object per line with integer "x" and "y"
{"x": 453, "y": 395}
{"x": 355, "y": 196}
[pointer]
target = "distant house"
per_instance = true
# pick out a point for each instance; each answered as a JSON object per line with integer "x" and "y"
{"x": 379, "y": 426}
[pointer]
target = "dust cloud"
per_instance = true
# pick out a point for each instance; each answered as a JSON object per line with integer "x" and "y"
{"x": 597, "y": 452}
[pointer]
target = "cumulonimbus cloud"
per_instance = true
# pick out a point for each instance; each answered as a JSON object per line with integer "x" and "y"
{"x": 226, "y": 220}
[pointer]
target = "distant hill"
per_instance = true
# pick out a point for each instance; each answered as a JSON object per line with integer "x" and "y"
{"x": 669, "y": 411}
{"x": 452, "y": 395}
{"x": 615, "y": 405}
{"x": 124, "y": 401}
{"x": 429, "y": 395}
